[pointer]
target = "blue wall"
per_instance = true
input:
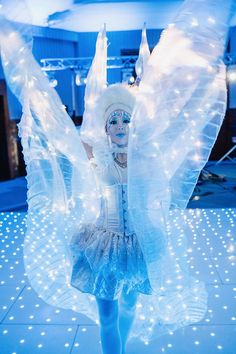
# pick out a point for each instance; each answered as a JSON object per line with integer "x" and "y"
{"x": 50, "y": 43}
{"x": 116, "y": 42}
{"x": 53, "y": 43}
{"x": 56, "y": 48}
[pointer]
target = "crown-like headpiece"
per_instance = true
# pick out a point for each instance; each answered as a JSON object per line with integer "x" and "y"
{"x": 117, "y": 97}
{"x": 101, "y": 101}
{"x": 119, "y": 113}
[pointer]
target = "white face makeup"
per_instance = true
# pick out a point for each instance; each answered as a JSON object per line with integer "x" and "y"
{"x": 117, "y": 127}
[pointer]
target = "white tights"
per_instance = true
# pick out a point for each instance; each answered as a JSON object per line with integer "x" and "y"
{"x": 116, "y": 318}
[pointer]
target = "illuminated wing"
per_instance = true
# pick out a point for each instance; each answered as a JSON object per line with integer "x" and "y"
{"x": 62, "y": 191}
{"x": 183, "y": 95}
{"x": 179, "y": 111}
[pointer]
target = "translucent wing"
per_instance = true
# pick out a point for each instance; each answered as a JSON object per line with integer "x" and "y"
{"x": 144, "y": 55}
{"x": 179, "y": 111}
{"x": 96, "y": 84}
{"x": 62, "y": 191}
{"x": 183, "y": 95}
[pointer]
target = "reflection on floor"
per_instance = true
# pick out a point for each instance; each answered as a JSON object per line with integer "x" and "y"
{"x": 30, "y": 326}
{"x": 217, "y": 187}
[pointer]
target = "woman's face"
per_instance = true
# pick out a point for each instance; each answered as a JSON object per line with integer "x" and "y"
{"x": 117, "y": 127}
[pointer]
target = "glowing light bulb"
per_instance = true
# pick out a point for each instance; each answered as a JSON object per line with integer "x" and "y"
{"x": 194, "y": 23}
{"x": 211, "y": 20}
{"x": 231, "y": 76}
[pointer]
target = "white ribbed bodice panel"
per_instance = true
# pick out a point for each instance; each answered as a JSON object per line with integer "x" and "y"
{"x": 114, "y": 213}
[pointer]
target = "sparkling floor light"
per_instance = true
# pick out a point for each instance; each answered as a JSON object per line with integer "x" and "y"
{"x": 28, "y": 325}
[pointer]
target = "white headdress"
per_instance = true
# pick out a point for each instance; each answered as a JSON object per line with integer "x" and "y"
{"x": 100, "y": 100}
{"x": 115, "y": 97}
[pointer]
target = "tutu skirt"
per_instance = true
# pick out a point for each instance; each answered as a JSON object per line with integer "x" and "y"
{"x": 105, "y": 263}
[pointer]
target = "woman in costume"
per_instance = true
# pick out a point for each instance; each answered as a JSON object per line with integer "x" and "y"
{"x": 108, "y": 261}
{"x": 79, "y": 243}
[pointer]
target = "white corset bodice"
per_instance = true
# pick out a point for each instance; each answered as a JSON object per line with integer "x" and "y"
{"x": 114, "y": 214}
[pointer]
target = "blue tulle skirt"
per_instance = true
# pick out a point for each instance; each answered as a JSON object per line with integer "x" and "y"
{"x": 107, "y": 262}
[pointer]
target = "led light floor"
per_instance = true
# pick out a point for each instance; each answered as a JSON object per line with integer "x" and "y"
{"x": 30, "y": 326}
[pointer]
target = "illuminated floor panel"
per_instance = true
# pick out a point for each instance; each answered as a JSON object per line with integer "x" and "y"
{"x": 193, "y": 339}
{"x": 28, "y": 325}
{"x": 87, "y": 341}
{"x": 32, "y": 339}
{"x": 221, "y": 305}
{"x": 202, "y": 267}
{"x": 12, "y": 273}
{"x": 29, "y": 308}
{"x": 8, "y": 296}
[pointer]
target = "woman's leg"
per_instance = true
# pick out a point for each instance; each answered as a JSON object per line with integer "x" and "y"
{"x": 126, "y": 316}
{"x": 108, "y": 316}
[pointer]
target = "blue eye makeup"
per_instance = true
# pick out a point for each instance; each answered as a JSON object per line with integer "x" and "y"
{"x": 119, "y": 114}
{"x": 126, "y": 120}
{"x": 113, "y": 122}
